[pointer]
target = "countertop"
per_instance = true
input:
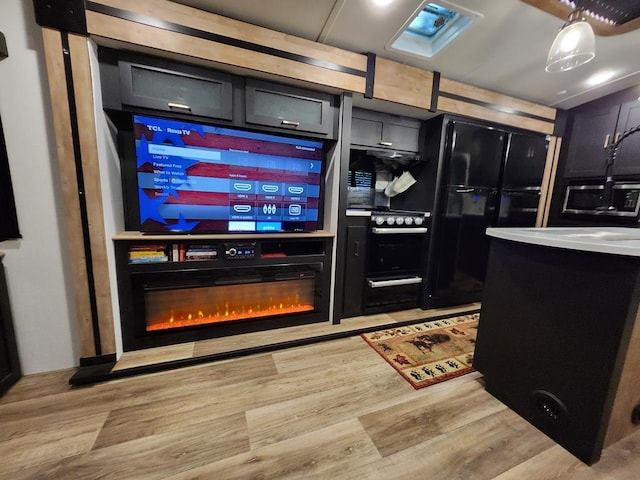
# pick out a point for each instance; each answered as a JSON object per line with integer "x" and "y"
{"x": 610, "y": 240}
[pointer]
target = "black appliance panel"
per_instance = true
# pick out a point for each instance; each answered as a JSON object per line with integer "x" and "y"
{"x": 588, "y": 200}
{"x": 397, "y": 243}
{"x": 525, "y": 161}
{"x": 394, "y": 254}
{"x": 475, "y": 156}
{"x": 463, "y": 244}
{"x": 518, "y": 208}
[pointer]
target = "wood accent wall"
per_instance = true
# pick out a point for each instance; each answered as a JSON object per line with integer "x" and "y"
{"x": 66, "y": 152}
{"x": 462, "y": 99}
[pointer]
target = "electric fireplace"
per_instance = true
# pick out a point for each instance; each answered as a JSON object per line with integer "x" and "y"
{"x": 239, "y": 288}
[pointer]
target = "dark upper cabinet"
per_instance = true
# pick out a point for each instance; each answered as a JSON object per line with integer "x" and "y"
{"x": 381, "y": 130}
{"x": 288, "y": 108}
{"x": 595, "y": 128}
{"x": 628, "y": 155}
{"x": 177, "y": 88}
{"x": 591, "y": 131}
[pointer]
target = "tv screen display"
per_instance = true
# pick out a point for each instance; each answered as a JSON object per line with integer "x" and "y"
{"x": 196, "y": 178}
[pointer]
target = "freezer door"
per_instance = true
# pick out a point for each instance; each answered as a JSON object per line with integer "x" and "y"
{"x": 475, "y": 155}
{"x": 518, "y": 208}
{"x": 525, "y": 161}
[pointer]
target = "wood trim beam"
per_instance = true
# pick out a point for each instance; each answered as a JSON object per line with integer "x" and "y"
{"x": 54, "y": 58}
{"x": 403, "y": 84}
{"x": 480, "y": 95}
{"x": 548, "y": 182}
{"x": 83, "y": 88}
{"x": 114, "y": 28}
{"x": 473, "y": 110}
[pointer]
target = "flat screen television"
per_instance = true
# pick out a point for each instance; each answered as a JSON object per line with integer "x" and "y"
{"x": 197, "y": 178}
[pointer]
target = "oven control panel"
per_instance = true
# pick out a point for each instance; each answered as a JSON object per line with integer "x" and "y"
{"x": 399, "y": 219}
{"x": 240, "y": 250}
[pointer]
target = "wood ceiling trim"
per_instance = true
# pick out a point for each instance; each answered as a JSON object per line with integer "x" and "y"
{"x": 562, "y": 11}
{"x": 167, "y": 41}
{"x": 209, "y": 22}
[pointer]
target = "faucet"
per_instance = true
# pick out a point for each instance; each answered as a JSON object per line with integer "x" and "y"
{"x": 612, "y": 150}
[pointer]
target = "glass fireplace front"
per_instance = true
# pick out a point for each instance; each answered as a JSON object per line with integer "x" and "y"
{"x": 183, "y": 305}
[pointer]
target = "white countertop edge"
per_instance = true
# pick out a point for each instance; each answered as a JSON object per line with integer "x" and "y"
{"x": 609, "y": 240}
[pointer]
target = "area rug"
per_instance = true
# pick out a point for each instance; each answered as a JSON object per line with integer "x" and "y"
{"x": 431, "y": 351}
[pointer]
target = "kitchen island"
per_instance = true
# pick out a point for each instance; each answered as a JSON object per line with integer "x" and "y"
{"x": 559, "y": 333}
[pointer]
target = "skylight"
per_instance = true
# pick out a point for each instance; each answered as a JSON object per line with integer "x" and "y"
{"x": 433, "y": 27}
{"x": 431, "y": 20}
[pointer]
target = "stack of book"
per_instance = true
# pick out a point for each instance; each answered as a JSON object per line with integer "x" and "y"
{"x": 198, "y": 252}
{"x": 148, "y": 254}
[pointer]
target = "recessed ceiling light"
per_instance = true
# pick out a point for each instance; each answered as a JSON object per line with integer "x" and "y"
{"x": 600, "y": 77}
{"x": 382, "y": 3}
{"x": 562, "y": 92}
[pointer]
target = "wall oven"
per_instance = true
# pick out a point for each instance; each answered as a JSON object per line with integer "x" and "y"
{"x": 395, "y": 260}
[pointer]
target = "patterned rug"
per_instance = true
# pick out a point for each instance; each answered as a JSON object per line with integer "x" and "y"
{"x": 429, "y": 352}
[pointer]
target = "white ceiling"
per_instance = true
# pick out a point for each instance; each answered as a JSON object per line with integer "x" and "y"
{"x": 505, "y": 51}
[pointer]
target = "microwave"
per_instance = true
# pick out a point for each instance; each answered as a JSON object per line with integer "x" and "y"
{"x": 589, "y": 200}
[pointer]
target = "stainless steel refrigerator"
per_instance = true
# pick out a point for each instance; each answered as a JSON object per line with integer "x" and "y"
{"x": 488, "y": 177}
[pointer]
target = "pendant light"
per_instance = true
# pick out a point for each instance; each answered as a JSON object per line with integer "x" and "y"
{"x": 574, "y": 45}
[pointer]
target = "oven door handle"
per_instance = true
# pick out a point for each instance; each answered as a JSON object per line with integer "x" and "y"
{"x": 393, "y": 283}
{"x": 390, "y": 230}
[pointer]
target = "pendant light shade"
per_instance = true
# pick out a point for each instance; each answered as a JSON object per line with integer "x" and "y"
{"x": 574, "y": 45}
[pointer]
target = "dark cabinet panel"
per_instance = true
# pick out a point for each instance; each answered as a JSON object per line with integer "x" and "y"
{"x": 628, "y": 155}
{"x": 10, "y": 371}
{"x": 365, "y": 131}
{"x": 595, "y": 128}
{"x": 355, "y": 263}
{"x": 591, "y": 131}
{"x": 182, "y": 89}
{"x": 381, "y": 130}
{"x": 288, "y": 108}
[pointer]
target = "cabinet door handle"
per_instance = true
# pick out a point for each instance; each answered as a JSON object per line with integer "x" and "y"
{"x": 289, "y": 123}
{"x": 385, "y": 144}
{"x": 618, "y": 135}
{"x": 606, "y": 140}
{"x": 356, "y": 250}
{"x": 180, "y": 106}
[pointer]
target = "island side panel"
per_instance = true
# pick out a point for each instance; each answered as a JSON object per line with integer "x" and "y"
{"x": 552, "y": 321}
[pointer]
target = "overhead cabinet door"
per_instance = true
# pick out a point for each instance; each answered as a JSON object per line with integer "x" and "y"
{"x": 381, "y": 130}
{"x": 185, "y": 90}
{"x": 627, "y": 160}
{"x": 288, "y": 108}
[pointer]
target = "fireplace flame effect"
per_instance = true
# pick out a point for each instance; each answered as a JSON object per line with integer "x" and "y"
{"x": 193, "y": 307}
{"x": 189, "y": 319}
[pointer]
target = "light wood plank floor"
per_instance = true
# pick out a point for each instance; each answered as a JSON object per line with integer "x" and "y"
{"x": 330, "y": 410}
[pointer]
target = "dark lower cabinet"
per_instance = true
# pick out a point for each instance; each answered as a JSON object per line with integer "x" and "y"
{"x": 559, "y": 342}
{"x": 10, "y": 371}
{"x": 355, "y": 263}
